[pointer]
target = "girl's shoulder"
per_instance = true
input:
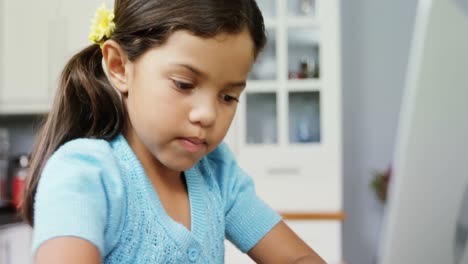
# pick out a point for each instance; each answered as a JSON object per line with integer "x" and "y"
{"x": 85, "y": 146}
{"x": 84, "y": 157}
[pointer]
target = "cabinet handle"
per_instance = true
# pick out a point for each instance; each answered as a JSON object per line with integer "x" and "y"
{"x": 283, "y": 171}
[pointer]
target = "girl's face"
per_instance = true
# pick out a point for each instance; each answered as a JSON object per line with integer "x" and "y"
{"x": 182, "y": 96}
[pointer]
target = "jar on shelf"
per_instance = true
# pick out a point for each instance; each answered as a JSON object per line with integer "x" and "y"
{"x": 305, "y": 6}
{"x": 307, "y": 68}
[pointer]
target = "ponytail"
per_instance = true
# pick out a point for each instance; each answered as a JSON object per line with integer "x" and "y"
{"x": 85, "y": 105}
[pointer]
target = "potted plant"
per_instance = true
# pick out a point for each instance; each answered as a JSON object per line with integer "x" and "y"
{"x": 380, "y": 183}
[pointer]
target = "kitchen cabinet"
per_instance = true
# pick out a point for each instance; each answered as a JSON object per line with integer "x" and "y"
{"x": 37, "y": 39}
{"x": 26, "y": 56}
{"x": 15, "y": 244}
{"x": 287, "y": 133}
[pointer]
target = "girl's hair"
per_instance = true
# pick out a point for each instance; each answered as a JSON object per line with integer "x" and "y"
{"x": 86, "y": 105}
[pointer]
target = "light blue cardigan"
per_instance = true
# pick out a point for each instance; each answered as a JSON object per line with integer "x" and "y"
{"x": 97, "y": 190}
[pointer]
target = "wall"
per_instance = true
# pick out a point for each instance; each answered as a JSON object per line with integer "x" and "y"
{"x": 376, "y": 38}
{"x": 21, "y": 130}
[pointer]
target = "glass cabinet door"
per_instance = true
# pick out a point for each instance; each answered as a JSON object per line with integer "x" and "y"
{"x": 268, "y": 8}
{"x": 266, "y": 64}
{"x": 303, "y": 53}
{"x": 261, "y": 118}
{"x": 283, "y": 92}
{"x": 304, "y": 117}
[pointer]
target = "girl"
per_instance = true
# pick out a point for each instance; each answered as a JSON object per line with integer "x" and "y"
{"x": 129, "y": 166}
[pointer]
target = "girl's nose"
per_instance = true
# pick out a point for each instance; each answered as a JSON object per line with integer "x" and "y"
{"x": 203, "y": 113}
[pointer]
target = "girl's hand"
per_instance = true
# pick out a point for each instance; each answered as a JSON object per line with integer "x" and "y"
{"x": 282, "y": 245}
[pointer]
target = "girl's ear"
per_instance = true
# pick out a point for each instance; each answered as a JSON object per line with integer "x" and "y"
{"x": 116, "y": 64}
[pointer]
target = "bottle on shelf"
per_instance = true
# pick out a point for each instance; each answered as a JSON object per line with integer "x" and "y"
{"x": 19, "y": 176}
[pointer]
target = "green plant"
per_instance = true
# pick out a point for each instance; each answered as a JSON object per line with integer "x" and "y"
{"x": 380, "y": 183}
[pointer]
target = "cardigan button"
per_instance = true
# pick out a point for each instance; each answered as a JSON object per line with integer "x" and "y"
{"x": 192, "y": 254}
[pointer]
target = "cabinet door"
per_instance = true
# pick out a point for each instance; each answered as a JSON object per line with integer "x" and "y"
{"x": 15, "y": 245}
{"x": 25, "y": 51}
{"x": 38, "y": 38}
{"x": 4, "y": 252}
{"x": 289, "y": 134}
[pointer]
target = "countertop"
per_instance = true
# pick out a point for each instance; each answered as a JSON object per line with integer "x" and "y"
{"x": 8, "y": 215}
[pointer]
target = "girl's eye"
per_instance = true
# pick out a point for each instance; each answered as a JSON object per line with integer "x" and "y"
{"x": 183, "y": 85}
{"x": 228, "y": 98}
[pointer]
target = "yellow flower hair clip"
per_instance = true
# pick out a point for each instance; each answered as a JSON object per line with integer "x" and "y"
{"x": 103, "y": 25}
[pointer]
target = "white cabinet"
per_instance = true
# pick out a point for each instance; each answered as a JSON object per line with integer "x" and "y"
{"x": 24, "y": 83}
{"x": 37, "y": 38}
{"x": 289, "y": 120}
{"x": 287, "y": 133}
{"x": 15, "y": 244}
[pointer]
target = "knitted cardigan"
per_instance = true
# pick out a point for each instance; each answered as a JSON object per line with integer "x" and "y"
{"x": 97, "y": 190}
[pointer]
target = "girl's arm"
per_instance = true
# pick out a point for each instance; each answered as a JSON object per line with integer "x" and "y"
{"x": 79, "y": 189}
{"x": 282, "y": 245}
{"x": 70, "y": 250}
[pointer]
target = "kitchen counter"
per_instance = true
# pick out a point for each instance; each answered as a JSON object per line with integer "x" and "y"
{"x": 9, "y": 215}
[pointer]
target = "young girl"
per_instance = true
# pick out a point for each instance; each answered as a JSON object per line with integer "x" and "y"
{"x": 129, "y": 166}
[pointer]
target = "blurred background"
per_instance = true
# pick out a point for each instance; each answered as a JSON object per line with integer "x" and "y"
{"x": 321, "y": 110}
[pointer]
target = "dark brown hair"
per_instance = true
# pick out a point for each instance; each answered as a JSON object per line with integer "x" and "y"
{"x": 86, "y": 105}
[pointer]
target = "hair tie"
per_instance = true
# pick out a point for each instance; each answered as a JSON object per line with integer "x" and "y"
{"x": 103, "y": 25}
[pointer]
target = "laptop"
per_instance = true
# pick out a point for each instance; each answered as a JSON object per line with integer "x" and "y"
{"x": 426, "y": 220}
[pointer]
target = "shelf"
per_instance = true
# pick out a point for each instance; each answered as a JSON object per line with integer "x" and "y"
{"x": 260, "y": 86}
{"x": 303, "y": 85}
{"x": 302, "y": 22}
{"x": 271, "y": 86}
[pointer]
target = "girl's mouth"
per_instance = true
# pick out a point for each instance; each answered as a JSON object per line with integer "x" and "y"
{"x": 193, "y": 144}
